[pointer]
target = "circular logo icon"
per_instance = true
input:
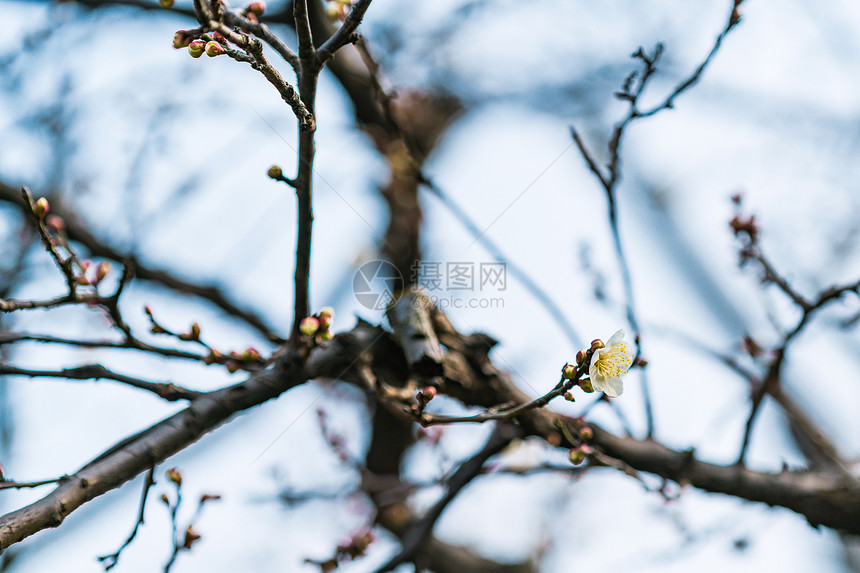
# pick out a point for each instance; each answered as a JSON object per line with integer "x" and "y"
{"x": 373, "y": 284}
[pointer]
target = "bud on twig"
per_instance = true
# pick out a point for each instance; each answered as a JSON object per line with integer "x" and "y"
{"x": 309, "y": 326}
{"x": 102, "y": 270}
{"x": 196, "y": 48}
{"x": 275, "y": 173}
{"x": 190, "y": 537}
{"x": 256, "y": 8}
{"x": 181, "y": 39}
{"x": 213, "y": 49}
{"x": 41, "y": 207}
{"x": 174, "y": 475}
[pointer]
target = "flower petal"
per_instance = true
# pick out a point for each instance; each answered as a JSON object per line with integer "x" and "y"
{"x": 615, "y": 338}
{"x": 612, "y": 387}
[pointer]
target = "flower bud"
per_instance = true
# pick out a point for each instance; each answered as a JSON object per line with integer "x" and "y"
{"x": 181, "y": 39}
{"x": 568, "y": 372}
{"x": 586, "y": 386}
{"x": 275, "y": 172}
{"x": 597, "y": 343}
{"x": 41, "y": 207}
{"x": 190, "y": 537}
{"x": 309, "y": 326}
{"x": 175, "y": 476}
{"x": 569, "y": 397}
{"x": 165, "y": 499}
{"x": 56, "y": 224}
{"x": 213, "y": 357}
{"x": 428, "y": 393}
{"x": 196, "y": 48}
{"x": 256, "y": 8}
{"x": 325, "y": 334}
{"x": 102, "y": 270}
{"x": 250, "y": 354}
{"x": 580, "y": 356}
{"x": 213, "y": 49}
{"x": 576, "y": 456}
{"x": 586, "y": 433}
{"x": 325, "y": 317}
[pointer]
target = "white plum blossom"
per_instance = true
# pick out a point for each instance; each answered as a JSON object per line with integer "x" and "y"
{"x": 609, "y": 363}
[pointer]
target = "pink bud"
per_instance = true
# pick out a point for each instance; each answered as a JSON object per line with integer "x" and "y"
{"x": 41, "y": 207}
{"x": 568, "y": 372}
{"x": 597, "y": 343}
{"x": 309, "y": 326}
{"x": 325, "y": 317}
{"x": 429, "y": 392}
{"x": 56, "y": 223}
{"x": 213, "y": 49}
{"x": 580, "y": 357}
{"x": 196, "y": 48}
{"x": 256, "y": 8}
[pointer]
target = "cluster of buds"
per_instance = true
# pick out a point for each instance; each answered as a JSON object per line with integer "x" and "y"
{"x": 237, "y": 360}
{"x": 92, "y": 275}
{"x": 212, "y": 44}
{"x": 338, "y": 10}
{"x": 319, "y": 325}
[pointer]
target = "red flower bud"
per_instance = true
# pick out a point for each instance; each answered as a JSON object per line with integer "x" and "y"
{"x": 213, "y": 49}
{"x": 41, "y": 207}
{"x": 196, "y": 48}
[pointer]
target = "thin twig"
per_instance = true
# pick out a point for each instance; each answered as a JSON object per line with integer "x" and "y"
{"x": 110, "y": 561}
{"x": 168, "y": 391}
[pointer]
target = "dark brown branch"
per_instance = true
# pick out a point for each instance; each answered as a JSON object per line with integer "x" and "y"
{"x": 344, "y": 34}
{"x": 168, "y": 391}
{"x": 823, "y": 498}
{"x": 304, "y": 36}
{"x": 262, "y": 31}
{"x": 139, "y": 452}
